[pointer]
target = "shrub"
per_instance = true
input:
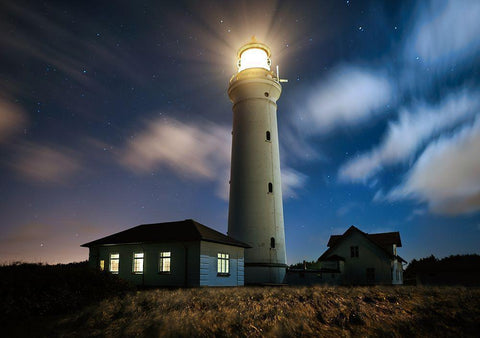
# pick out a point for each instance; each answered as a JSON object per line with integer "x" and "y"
{"x": 38, "y": 289}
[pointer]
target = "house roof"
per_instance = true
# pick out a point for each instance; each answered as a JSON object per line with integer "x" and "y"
{"x": 184, "y": 231}
{"x": 382, "y": 240}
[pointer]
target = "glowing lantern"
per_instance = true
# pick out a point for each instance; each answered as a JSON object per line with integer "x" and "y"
{"x": 254, "y": 55}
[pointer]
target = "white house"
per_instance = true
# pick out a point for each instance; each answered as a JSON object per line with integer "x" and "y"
{"x": 358, "y": 258}
{"x": 183, "y": 253}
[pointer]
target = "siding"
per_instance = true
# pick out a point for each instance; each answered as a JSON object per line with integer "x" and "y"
{"x": 208, "y": 265}
{"x": 370, "y": 256}
{"x": 181, "y": 253}
{"x": 201, "y": 268}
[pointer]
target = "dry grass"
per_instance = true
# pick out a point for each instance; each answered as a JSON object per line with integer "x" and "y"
{"x": 283, "y": 311}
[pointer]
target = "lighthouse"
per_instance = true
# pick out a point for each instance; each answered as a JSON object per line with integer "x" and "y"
{"x": 255, "y": 207}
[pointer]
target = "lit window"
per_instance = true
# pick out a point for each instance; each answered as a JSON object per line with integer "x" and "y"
{"x": 223, "y": 264}
{"x": 138, "y": 262}
{"x": 354, "y": 251}
{"x": 254, "y": 58}
{"x": 114, "y": 262}
{"x": 102, "y": 265}
{"x": 270, "y": 187}
{"x": 267, "y": 137}
{"x": 164, "y": 261}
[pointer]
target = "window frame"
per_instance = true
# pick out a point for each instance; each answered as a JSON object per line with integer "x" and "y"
{"x": 135, "y": 260}
{"x": 354, "y": 251}
{"x": 112, "y": 259}
{"x": 223, "y": 264}
{"x": 164, "y": 268}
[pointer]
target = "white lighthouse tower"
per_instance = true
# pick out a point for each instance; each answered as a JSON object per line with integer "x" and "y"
{"x": 255, "y": 207}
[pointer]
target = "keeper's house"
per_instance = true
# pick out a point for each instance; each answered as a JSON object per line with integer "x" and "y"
{"x": 358, "y": 258}
{"x": 183, "y": 253}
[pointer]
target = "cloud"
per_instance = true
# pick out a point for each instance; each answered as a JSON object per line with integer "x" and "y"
{"x": 45, "y": 164}
{"x": 405, "y": 136}
{"x": 196, "y": 151}
{"x": 350, "y": 95}
{"x": 445, "y": 31}
{"x": 292, "y": 181}
{"x": 347, "y": 208}
{"x": 29, "y": 232}
{"x": 12, "y": 119}
{"x": 50, "y": 41}
{"x": 416, "y": 213}
{"x": 447, "y": 174}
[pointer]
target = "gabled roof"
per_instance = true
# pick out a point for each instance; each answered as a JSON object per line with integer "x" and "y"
{"x": 182, "y": 231}
{"x": 382, "y": 240}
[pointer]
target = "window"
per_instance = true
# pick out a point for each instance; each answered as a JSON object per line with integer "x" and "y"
{"x": 102, "y": 265}
{"x": 354, "y": 251}
{"x": 267, "y": 137}
{"x": 272, "y": 243}
{"x": 270, "y": 187}
{"x": 164, "y": 262}
{"x": 223, "y": 264}
{"x": 114, "y": 262}
{"x": 138, "y": 262}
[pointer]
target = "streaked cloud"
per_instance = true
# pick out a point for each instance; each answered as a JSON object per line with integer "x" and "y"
{"x": 445, "y": 31}
{"x": 447, "y": 174}
{"x": 348, "y": 207}
{"x": 408, "y": 134}
{"x": 292, "y": 182}
{"x": 348, "y": 96}
{"x": 12, "y": 119}
{"x": 34, "y": 36}
{"x": 196, "y": 151}
{"x": 45, "y": 163}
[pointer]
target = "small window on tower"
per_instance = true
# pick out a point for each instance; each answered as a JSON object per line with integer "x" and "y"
{"x": 267, "y": 137}
{"x": 272, "y": 243}
{"x": 270, "y": 187}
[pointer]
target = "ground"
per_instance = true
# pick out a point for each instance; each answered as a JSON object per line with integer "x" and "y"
{"x": 404, "y": 311}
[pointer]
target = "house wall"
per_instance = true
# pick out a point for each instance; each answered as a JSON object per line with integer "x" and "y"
{"x": 397, "y": 273}
{"x": 208, "y": 265}
{"x": 185, "y": 263}
{"x": 312, "y": 277}
{"x": 370, "y": 256}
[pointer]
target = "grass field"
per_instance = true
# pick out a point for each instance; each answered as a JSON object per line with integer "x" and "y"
{"x": 73, "y": 300}
{"x": 282, "y": 311}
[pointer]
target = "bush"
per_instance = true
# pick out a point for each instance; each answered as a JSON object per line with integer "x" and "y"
{"x": 38, "y": 289}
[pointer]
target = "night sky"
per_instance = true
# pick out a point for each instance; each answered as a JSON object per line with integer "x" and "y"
{"x": 114, "y": 114}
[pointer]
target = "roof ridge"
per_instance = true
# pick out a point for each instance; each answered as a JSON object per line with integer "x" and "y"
{"x": 187, "y": 229}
